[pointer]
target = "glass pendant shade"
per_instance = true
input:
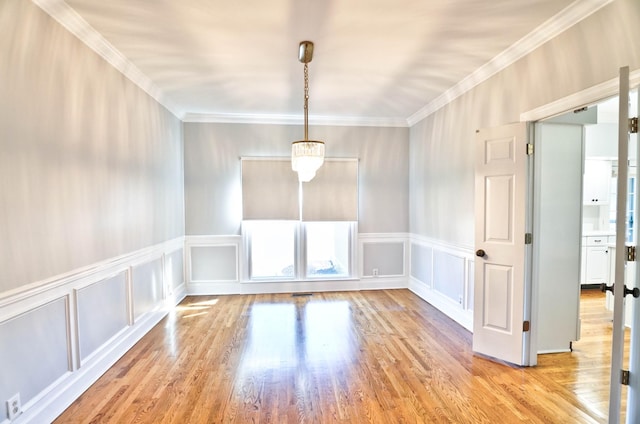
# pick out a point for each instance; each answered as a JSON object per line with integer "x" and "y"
{"x": 307, "y": 156}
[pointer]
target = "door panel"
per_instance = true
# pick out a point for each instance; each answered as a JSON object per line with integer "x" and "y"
{"x": 499, "y": 192}
{"x": 499, "y": 283}
{"x": 497, "y": 297}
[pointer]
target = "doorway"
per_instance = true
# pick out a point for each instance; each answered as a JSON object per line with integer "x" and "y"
{"x": 591, "y": 134}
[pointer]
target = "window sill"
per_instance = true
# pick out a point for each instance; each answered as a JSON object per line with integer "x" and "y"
{"x": 309, "y": 280}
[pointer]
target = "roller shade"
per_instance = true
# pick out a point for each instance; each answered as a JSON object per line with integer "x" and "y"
{"x": 333, "y": 194}
{"x": 269, "y": 189}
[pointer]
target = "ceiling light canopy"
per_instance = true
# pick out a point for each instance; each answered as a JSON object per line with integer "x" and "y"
{"x": 307, "y": 156}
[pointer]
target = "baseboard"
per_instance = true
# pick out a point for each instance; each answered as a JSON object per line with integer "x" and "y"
{"x": 56, "y": 401}
{"x": 443, "y": 304}
{"x": 544, "y": 352}
{"x": 378, "y": 283}
{"x": 113, "y": 281}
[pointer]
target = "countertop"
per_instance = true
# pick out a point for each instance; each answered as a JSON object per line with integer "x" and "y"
{"x": 595, "y": 233}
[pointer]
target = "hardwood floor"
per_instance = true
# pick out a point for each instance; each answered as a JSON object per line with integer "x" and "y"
{"x": 355, "y": 357}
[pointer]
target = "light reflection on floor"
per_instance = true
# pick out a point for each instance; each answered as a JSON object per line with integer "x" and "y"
{"x": 188, "y": 310}
{"x": 288, "y": 335}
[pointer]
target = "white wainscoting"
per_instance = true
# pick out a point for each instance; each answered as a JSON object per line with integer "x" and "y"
{"x": 60, "y": 335}
{"x": 442, "y": 274}
{"x": 214, "y": 264}
{"x": 383, "y": 260}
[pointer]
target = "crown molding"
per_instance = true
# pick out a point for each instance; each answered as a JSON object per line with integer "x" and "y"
{"x": 66, "y": 16}
{"x": 243, "y": 118}
{"x": 74, "y": 23}
{"x": 569, "y": 16}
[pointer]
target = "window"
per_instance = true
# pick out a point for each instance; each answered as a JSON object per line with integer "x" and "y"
{"x": 271, "y": 249}
{"x": 327, "y": 248}
{"x": 295, "y": 231}
{"x": 295, "y": 250}
{"x": 631, "y": 205}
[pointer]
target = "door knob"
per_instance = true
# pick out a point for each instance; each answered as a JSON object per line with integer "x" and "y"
{"x": 635, "y": 292}
{"x": 604, "y": 288}
{"x": 481, "y": 253}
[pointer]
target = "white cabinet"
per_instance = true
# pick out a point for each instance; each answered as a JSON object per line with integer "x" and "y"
{"x": 595, "y": 260}
{"x": 596, "y": 183}
{"x": 597, "y": 265}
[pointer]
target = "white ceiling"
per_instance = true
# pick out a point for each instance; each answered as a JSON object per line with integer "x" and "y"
{"x": 375, "y": 60}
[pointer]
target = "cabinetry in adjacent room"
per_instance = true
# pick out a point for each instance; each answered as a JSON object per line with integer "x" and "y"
{"x": 597, "y": 180}
{"x": 595, "y": 259}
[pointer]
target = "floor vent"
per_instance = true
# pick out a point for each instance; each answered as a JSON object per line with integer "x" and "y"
{"x": 301, "y": 294}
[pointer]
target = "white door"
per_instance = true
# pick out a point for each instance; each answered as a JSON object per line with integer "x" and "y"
{"x": 633, "y": 394}
{"x": 501, "y": 183}
{"x": 557, "y": 232}
{"x": 621, "y": 283}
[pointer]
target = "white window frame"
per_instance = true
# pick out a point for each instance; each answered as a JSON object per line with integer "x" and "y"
{"x": 300, "y": 255}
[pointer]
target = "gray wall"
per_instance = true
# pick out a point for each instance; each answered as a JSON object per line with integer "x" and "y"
{"x": 91, "y": 167}
{"x": 442, "y": 145}
{"x": 213, "y": 196}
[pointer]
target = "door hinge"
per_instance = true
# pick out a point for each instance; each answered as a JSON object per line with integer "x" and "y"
{"x": 525, "y": 326}
{"x": 633, "y": 125}
{"x": 624, "y": 377}
{"x": 529, "y": 149}
{"x": 528, "y": 238}
{"x": 631, "y": 253}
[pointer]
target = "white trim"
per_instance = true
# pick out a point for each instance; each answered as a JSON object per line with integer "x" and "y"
{"x": 247, "y": 118}
{"x": 386, "y": 237}
{"x": 582, "y": 98}
{"x": 50, "y": 402}
{"x": 15, "y": 302}
{"x": 571, "y": 15}
{"x": 543, "y": 352}
{"x": 211, "y": 241}
{"x": 382, "y": 283}
{"x": 442, "y": 303}
{"x": 72, "y": 385}
{"x": 461, "y": 313}
{"x": 25, "y": 298}
{"x": 78, "y": 26}
{"x": 463, "y": 250}
{"x": 383, "y": 238}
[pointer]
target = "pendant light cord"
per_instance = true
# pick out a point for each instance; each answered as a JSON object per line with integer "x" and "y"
{"x": 306, "y": 101}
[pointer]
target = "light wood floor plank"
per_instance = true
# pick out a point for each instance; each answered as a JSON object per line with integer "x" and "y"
{"x": 355, "y": 357}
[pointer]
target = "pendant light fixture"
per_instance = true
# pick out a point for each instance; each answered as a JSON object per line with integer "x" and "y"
{"x": 307, "y": 156}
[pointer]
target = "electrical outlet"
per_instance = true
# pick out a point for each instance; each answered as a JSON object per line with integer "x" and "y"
{"x": 375, "y": 272}
{"x": 14, "y": 408}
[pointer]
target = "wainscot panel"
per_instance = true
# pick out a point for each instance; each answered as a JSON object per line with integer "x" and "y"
{"x": 102, "y": 313}
{"x": 34, "y": 352}
{"x": 383, "y": 255}
{"x": 449, "y": 275}
{"x": 383, "y": 258}
{"x": 147, "y": 285}
{"x": 174, "y": 265}
{"x": 66, "y": 331}
{"x": 442, "y": 274}
{"x": 422, "y": 263}
{"x": 213, "y": 265}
